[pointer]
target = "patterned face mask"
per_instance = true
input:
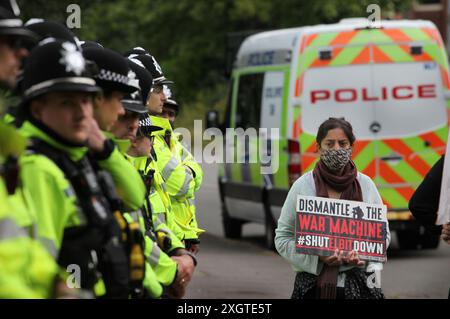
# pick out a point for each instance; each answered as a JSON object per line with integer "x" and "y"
{"x": 335, "y": 160}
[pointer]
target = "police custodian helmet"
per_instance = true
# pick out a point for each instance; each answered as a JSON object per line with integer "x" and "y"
{"x": 114, "y": 73}
{"x": 10, "y": 22}
{"x": 55, "y": 65}
{"x": 136, "y": 101}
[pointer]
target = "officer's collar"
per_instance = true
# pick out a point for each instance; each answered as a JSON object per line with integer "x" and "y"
{"x": 122, "y": 144}
{"x": 161, "y": 122}
{"x": 33, "y": 128}
{"x": 139, "y": 162}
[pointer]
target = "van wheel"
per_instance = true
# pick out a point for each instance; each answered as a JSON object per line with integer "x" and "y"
{"x": 270, "y": 234}
{"x": 232, "y": 227}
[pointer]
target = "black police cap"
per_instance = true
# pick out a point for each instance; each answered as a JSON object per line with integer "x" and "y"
{"x": 136, "y": 101}
{"x": 114, "y": 72}
{"x": 154, "y": 68}
{"x": 90, "y": 44}
{"x": 136, "y": 51}
{"x": 144, "y": 76}
{"x": 170, "y": 98}
{"x": 55, "y": 65}
{"x": 10, "y": 22}
{"x": 50, "y": 29}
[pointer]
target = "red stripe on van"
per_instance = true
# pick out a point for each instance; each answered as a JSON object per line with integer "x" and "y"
{"x": 418, "y": 58}
{"x": 302, "y": 45}
{"x": 300, "y": 84}
{"x": 321, "y": 63}
{"x": 310, "y": 38}
{"x": 363, "y": 57}
{"x": 390, "y": 176}
{"x": 412, "y": 159}
{"x": 444, "y": 77}
{"x": 308, "y": 159}
{"x": 297, "y": 87}
{"x": 370, "y": 169}
{"x": 343, "y": 38}
{"x": 434, "y": 140}
{"x": 433, "y": 34}
{"x": 380, "y": 57}
{"x": 358, "y": 147}
{"x": 297, "y": 127}
{"x": 396, "y": 35}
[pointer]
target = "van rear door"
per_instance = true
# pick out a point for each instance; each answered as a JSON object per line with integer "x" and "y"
{"x": 391, "y": 92}
{"x": 410, "y": 117}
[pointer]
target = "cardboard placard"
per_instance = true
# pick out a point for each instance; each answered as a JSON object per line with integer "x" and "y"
{"x": 324, "y": 225}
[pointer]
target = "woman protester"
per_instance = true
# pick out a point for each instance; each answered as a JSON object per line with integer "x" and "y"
{"x": 343, "y": 275}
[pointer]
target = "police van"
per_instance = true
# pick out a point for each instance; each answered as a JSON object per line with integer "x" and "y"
{"x": 391, "y": 82}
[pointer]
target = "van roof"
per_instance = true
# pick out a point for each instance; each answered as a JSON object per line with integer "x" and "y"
{"x": 285, "y": 39}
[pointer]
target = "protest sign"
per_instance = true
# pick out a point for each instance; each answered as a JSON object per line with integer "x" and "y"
{"x": 324, "y": 225}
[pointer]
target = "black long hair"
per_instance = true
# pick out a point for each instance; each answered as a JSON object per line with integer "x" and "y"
{"x": 332, "y": 123}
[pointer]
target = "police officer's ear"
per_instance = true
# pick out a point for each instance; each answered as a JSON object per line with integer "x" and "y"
{"x": 98, "y": 99}
{"x": 36, "y": 107}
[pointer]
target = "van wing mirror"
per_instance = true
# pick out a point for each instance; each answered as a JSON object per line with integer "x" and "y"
{"x": 212, "y": 119}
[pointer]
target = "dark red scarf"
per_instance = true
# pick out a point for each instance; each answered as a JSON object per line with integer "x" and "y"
{"x": 348, "y": 184}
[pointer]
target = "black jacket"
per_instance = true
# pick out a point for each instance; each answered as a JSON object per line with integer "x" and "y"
{"x": 424, "y": 203}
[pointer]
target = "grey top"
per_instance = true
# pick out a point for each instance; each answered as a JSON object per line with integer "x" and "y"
{"x": 285, "y": 232}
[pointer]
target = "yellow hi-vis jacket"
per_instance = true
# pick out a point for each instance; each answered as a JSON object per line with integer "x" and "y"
{"x": 26, "y": 269}
{"x": 188, "y": 160}
{"x": 179, "y": 179}
{"x": 159, "y": 265}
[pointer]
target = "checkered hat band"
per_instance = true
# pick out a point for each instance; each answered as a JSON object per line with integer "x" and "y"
{"x": 107, "y": 75}
{"x": 145, "y": 122}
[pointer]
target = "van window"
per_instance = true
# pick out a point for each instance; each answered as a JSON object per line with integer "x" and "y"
{"x": 227, "y": 117}
{"x": 272, "y": 100}
{"x": 249, "y": 100}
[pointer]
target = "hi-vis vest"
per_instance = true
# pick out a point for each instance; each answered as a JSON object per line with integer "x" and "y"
{"x": 26, "y": 269}
{"x": 179, "y": 179}
{"x": 159, "y": 201}
{"x": 188, "y": 160}
{"x": 160, "y": 268}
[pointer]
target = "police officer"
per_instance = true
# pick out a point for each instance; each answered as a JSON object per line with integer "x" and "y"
{"x": 170, "y": 112}
{"x": 68, "y": 187}
{"x": 154, "y": 216}
{"x": 26, "y": 269}
{"x": 116, "y": 80}
{"x": 42, "y": 29}
{"x": 179, "y": 178}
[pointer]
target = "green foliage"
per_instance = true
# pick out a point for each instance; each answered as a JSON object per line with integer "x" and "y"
{"x": 189, "y": 37}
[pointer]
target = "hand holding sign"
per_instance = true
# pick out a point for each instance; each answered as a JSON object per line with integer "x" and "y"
{"x": 341, "y": 257}
{"x": 353, "y": 259}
